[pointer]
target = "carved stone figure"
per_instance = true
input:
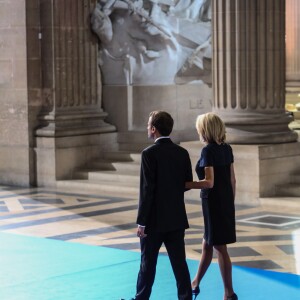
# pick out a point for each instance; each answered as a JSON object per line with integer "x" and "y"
{"x": 153, "y": 42}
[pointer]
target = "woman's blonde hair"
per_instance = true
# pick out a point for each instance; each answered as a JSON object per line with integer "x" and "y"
{"x": 211, "y": 128}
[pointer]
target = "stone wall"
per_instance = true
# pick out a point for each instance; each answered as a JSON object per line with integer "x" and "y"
{"x": 15, "y": 157}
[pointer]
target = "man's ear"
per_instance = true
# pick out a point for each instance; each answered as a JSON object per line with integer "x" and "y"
{"x": 153, "y": 129}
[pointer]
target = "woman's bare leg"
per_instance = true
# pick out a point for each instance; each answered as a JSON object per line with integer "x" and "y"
{"x": 226, "y": 269}
{"x": 206, "y": 258}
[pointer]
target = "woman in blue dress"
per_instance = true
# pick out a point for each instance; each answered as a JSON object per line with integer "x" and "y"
{"x": 217, "y": 183}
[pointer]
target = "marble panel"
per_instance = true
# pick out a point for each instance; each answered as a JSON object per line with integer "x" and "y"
{"x": 241, "y": 251}
{"x": 273, "y": 220}
{"x": 262, "y": 264}
{"x": 288, "y": 249}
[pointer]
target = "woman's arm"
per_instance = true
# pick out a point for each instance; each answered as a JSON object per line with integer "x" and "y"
{"x": 206, "y": 183}
{"x": 232, "y": 179}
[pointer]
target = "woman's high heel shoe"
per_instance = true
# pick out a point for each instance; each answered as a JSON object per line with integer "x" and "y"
{"x": 196, "y": 292}
{"x": 233, "y": 297}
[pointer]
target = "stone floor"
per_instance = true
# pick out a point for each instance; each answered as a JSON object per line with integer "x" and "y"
{"x": 268, "y": 235}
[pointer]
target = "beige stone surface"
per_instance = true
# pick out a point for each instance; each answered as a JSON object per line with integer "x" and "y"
{"x": 15, "y": 157}
{"x": 259, "y": 168}
{"x": 58, "y": 158}
{"x": 129, "y": 107}
{"x": 14, "y": 165}
{"x": 6, "y": 73}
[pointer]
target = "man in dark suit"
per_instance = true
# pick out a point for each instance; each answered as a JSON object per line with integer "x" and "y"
{"x": 162, "y": 216}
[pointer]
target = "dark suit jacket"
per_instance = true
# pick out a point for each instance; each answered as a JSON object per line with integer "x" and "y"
{"x": 165, "y": 168}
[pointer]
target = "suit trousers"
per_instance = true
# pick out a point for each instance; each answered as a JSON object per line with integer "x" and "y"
{"x": 150, "y": 245}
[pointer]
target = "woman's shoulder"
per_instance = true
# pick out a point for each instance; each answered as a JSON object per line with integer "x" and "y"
{"x": 207, "y": 148}
{"x": 218, "y": 151}
{"x": 227, "y": 146}
{"x": 214, "y": 147}
{"x": 228, "y": 152}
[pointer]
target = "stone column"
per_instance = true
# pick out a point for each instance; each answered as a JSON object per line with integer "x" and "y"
{"x": 292, "y": 42}
{"x": 249, "y": 70}
{"x": 71, "y": 83}
{"x": 72, "y": 131}
{"x": 292, "y": 52}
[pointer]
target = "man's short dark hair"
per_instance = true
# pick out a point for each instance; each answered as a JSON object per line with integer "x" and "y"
{"x": 162, "y": 121}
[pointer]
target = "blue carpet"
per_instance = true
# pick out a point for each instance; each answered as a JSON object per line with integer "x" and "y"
{"x": 43, "y": 269}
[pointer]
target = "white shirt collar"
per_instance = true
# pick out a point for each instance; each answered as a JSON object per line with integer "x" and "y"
{"x": 161, "y": 137}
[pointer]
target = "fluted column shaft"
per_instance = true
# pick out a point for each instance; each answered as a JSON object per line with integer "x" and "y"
{"x": 292, "y": 42}
{"x": 249, "y": 70}
{"x": 71, "y": 84}
{"x": 75, "y": 52}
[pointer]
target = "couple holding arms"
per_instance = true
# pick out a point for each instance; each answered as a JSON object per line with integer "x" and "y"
{"x": 166, "y": 173}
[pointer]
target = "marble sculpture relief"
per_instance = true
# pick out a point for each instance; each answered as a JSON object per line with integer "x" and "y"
{"x": 153, "y": 42}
